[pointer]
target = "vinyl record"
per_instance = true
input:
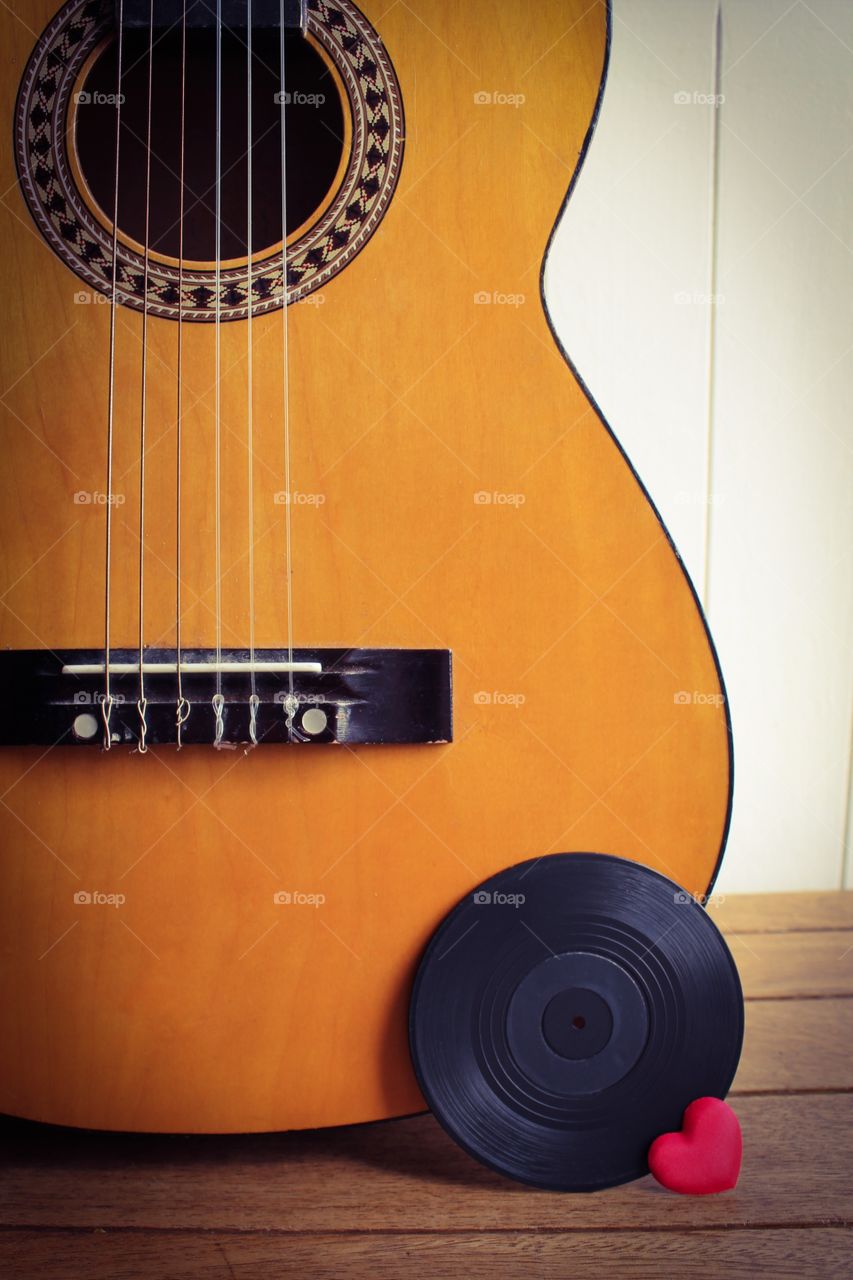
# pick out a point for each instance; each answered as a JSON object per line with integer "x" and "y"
{"x": 566, "y": 1012}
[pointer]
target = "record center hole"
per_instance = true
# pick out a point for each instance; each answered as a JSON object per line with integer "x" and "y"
{"x": 577, "y": 1023}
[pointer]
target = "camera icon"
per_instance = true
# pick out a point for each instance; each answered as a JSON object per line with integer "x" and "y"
{"x": 82, "y": 498}
{"x": 482, "y": 897}
{"x": 682, "y": 698}
{"x": 82, "y": 298}
{"x": 681, "y": 98}
{"x": 482, "y": 298}
{"x": 482, "y": 699}
{"x": 82, "y": 697}
{"x": 82, "y": 898}
{"x": 83, "y": 98}
{"x": 283, "y": 99}
{"x": 282, "y": 898}
{"x": 482, "y": 98}
{"x": 482, "y": 498}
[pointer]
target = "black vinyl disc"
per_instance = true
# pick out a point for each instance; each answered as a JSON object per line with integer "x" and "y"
{"x": 566, "y": 1013}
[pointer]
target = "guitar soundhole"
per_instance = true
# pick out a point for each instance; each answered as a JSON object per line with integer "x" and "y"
{"x": 315, "y": 126}
{"x": 344, "y": 136}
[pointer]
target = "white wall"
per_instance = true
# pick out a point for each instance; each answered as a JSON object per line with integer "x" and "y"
{"x": 702, "y": 279}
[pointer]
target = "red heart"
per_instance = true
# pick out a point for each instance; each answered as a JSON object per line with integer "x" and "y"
{"x": 705, "y": 1156}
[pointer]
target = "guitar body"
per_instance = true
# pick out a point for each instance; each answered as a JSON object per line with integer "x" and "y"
{"x": 459, "y": 491}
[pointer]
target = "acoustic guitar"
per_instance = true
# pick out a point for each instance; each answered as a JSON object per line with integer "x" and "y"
{"x": 313, "y": 615}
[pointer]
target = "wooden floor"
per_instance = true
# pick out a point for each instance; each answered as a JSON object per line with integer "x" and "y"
{"x": 399, "y": 1200}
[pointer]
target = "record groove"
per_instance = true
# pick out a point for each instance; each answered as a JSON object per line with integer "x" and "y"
{"x": 566, "y": 1012}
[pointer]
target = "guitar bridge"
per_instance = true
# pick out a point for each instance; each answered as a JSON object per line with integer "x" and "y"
{"x": 349, "y": 696}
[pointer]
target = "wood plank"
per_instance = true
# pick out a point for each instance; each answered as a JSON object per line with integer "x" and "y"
{"x": 796, "y": 1045}
{"x": 794, "y": 964}
{"x": 782, "y": 912}
{"x": 586, "y": 1256}
{"x": 405, "y": 1175}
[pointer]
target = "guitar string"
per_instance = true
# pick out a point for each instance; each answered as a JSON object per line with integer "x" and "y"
{"x": 290, "y": 702}
{"x": 218, "y": 700}
{"x": 142, "y": 704}
{"x": 107, "y": 704}
{"x": 183, "y": 706}
{"x": 253, "y": 698}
